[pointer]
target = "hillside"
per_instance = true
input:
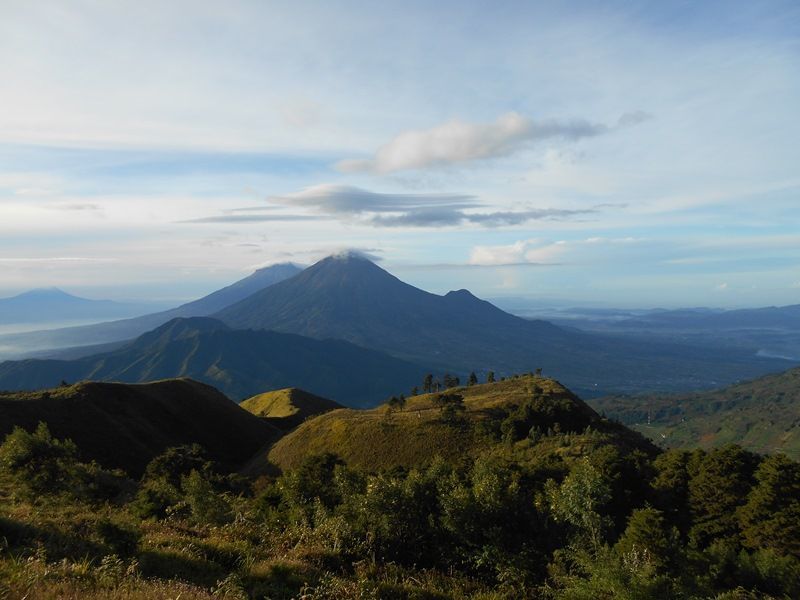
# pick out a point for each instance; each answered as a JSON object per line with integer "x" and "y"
{"x": 126, "y": 329}
{"x": 289, "y": 407}
{"x": 762, "y": 415}
{"x": 348, "y": 297}
{"x": 239, "y": 363}
{"x": 497, "y": 416}
{"x": 126, "y": 426}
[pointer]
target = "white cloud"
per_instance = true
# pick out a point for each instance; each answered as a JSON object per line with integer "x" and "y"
{"x": 534, "y": 251}
{"x": 457, "y": 141}
{"x": 523, "y": 251}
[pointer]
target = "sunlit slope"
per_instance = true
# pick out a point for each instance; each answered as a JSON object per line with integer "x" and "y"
{"x": 288, "y": 407}
{"x": 524, "y": 416}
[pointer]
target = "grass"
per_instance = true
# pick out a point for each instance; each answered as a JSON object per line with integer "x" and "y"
{"x": 57, "y": 548}
{"x": 288, "y": 407}
{"x": 380, "y": 438}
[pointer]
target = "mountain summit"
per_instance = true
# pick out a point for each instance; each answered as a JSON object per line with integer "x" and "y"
{"x": 351, "y": 298}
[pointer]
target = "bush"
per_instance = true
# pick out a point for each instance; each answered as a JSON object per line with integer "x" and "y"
{"x": 42, "y": 465}
{"x": 206, "y": 505}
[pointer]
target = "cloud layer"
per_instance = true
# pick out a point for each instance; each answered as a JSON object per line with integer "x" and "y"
{"x": 458, "y": 141}
{"x": 411, "y": 210}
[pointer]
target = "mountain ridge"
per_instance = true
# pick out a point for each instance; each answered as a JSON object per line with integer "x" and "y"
{"x": 127, "y": 425}
{"x": 240, "y": 362}
{"x": 352, "y": 298}
{"x": 762, "y": 415}
{"x": 125, "y": 329}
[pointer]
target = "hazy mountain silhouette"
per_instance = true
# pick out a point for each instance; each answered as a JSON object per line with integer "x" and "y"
{"x": 127, "y": 329}
{"x": 240, "y": 363}
{"x": 349, "y": 297}
{"x": 52, "y": 305}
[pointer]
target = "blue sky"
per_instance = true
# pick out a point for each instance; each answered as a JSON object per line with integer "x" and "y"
{"x": 631, "y": 154}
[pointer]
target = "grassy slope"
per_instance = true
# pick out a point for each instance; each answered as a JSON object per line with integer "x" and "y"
{"x": 375, "y": 439}
{"x": 289, "y": 407}
{"x": 124, "y": 425}
{"x": 762, "y": 415}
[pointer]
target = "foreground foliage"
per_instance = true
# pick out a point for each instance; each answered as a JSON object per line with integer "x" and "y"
{"x": 610, "y": 523}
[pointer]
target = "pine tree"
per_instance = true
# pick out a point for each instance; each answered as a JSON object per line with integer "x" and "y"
{"x": 649, "y": 535}
{"x": 771, "y": 516}
{"x": 720, "y": 486}
{"x": 473, "y": 379}
{"x": 427, "y": 383}
{"x": 490, "y": 377}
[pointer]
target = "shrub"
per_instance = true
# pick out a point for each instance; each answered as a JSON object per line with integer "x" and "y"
{"x": 42, "y": 465}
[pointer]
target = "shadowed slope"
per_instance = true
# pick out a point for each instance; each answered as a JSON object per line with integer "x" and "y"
{"x": 126, "y": 426}
{"x": 240, "y": 363}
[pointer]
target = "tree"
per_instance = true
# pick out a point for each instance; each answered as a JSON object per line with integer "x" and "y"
{"x": 427, "y": 383}
{"x": 450, "y": 381}
{"x": 415, "y": 391}
{"x": 397, "y": 404}
{"x": 473, "y": 379}
{"x": 578, "y": 500}
{"x": 720, "y": 486}
{"x": 650, "y": 535}
{"x": 670, "y": 487}
{"x": 451, "y": 406}
{"x": 771, "y": 516}
{"x": 205, "y": 503}
{"x": 490, "y": 377}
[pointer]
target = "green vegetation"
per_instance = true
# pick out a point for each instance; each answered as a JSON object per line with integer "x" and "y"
{"x": 523, "y": 492}
{"x": 522, "y": 417}
{"x": 762, "y": 415}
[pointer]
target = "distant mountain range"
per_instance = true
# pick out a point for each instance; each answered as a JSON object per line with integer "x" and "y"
{"x": 770, "y": 317}
{"x": 395, "y": 331}
{"x": 240, "y": 363}
{"x": 113, "y": 332}
{"x": 52, "y": 305}
{"x": 762, "y": 415}
{"x": 349, "y": 297}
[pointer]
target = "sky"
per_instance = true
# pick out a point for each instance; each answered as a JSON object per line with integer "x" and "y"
{"x": 619, "y": 153}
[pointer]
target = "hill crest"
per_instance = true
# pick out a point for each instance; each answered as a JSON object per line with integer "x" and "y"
{"x": 127, "y": 425}
{"x": 524, "y": 415}
{"x": 288, "y": 407}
